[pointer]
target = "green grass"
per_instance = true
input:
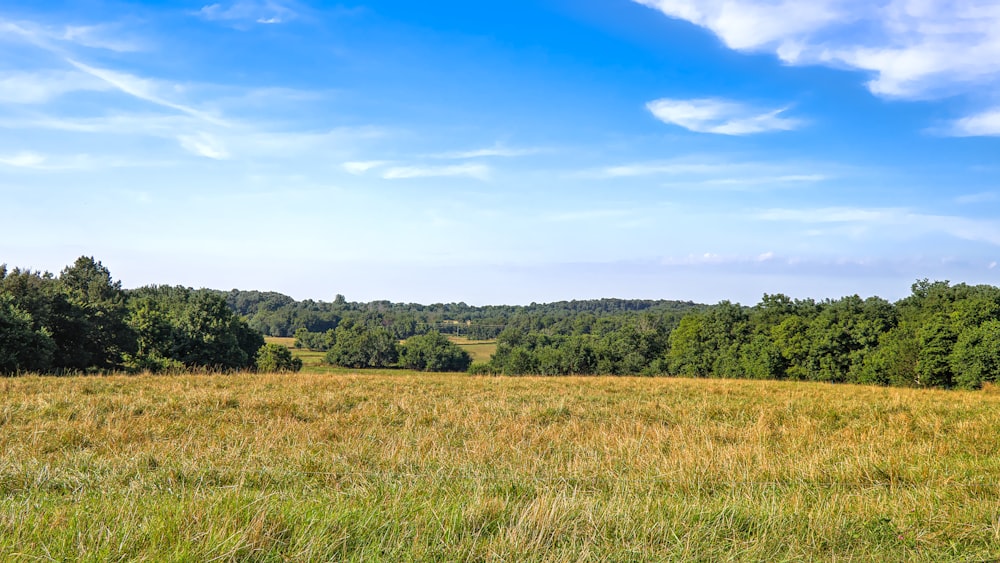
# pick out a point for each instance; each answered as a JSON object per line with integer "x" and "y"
{"x": 480, "y": 350}
{"x": 312, "y": 362}
{"x": 419, "y": 467}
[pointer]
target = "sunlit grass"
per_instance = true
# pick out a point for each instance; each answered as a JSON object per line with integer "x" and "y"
{"x": 480, "y": 350}
{"x": 390, "y": 467}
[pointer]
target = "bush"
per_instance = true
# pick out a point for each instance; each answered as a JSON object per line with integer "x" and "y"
{"x": 272, "y": 358}
{"x": 359, "y": 347}
{"x": 433, "y": 352}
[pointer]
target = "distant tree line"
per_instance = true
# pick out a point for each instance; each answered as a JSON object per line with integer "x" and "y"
{"x": 82, "y": 321}
{"x": 274, "y": 314}
{"x": 939, "y": 336}
{"x": 356, "y": 345}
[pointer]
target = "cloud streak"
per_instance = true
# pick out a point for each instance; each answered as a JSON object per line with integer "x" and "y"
{"x": 911, "y": 222}
{"x": 496, "y": 151}
{"x": 476, "y": 171}
{"x": 44, "y": 86}
{"x": 266, "y": 12}
{"x": 721, "y": 117}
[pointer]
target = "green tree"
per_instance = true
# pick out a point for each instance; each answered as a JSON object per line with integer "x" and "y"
{"x": 433, "y": 352}
{"x": 101, "y": 337}
{"x": 357, "y": 346}
{"x": 937, "y": 340}
{"x": 275, "y": 358}
{"x": 22, "y": 347}
{"x": 976, "y": 356}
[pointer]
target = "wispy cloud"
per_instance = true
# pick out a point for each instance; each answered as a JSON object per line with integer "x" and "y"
{"x": 266, "y": 12}
{"x": 29, "y": 160}
{"x": 359, "y": 167}
{"x": 713, "y": 173}
{"x": 981, "y": 197}
{"x": 588, "y": 215}
{"x": 53, "y": 38}
{"x": 204, "y": 144}
{"x": 914, "y": 48}
{"x": 23, "y": 160}
{"x": 668, "y": 168}
{"x": 44, "y": 86}
{"x": 902, "y": 221}
{"x": 495, "y": 151}
{"x": 985, "y": 124}
{"x": 789, "y": 179}
{"x": 722, "y": 117}
{"x": 143, "y": 89}
{"x": 477, "y": 171}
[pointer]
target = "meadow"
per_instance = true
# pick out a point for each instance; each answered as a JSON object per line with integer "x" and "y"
{"x": 312, "y": 360}
{"x": 413, "y": 467}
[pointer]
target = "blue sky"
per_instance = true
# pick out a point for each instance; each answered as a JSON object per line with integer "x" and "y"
{"x": 505, "y": 152}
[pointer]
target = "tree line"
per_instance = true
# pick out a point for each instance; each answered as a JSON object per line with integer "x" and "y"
{"x": 941, "y": 335}
{"x": 82, "y": 321}
{"x": 275, "y": 314}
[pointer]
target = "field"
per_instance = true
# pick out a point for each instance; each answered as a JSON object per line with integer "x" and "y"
{"x": 480, "y": 350}
{"x": 319, "y": 467}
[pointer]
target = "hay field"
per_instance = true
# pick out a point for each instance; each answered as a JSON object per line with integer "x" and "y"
{"x": 412, "y": 467}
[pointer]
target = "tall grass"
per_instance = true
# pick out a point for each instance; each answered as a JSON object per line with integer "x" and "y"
{"x": 319, "y": 467}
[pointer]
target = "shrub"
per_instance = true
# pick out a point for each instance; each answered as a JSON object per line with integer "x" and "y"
{"x": 276, "y": 358}
{"x": 433, "y": 352}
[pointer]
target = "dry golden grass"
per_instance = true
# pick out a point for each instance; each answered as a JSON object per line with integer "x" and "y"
{"x": 315, "y": 467}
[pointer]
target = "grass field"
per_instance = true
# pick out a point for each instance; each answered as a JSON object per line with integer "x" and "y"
{"x": 413, "y": 467}
{"x": 480, "y": 350}
{"x": 312, "y": 362}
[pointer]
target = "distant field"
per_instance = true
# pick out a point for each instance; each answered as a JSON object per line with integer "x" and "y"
{"x": 316, "y": 467}
{"x": 480, "y": 350}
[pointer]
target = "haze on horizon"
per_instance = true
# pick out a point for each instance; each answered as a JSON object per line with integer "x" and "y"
{"x": 505, "y": 152}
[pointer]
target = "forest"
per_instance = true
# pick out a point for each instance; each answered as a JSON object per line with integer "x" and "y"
{"x": 83, "y": 321}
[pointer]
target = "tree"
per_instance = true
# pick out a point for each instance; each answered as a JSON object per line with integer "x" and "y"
{"x": 357, "y": 346}
{"x": 976, "y": 356}
{"x": 937, "y": 339}
{"x": 99, "y": 336}
{"x": 689, "y": 350}
{"x": 22, "y": 347}
{"x": 433, "y": 352}
{"x": 275, "y": 358}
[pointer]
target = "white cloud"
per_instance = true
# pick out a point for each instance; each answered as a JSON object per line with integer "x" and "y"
{"x": 913, "y": 48}
{"x": 654, "y": 168}
{"x": 985, "y": 124}
{"x": 981, "y": 197}
{"x": 717, "y": 174}
{"x": 204, "y": 144}
{"x": 496, "y": 151}
{"x": 41, "y": 87}
{"x": 143, "y": 89}
{"x": 99, "y": 37}
{"x": 477, "y": 171}
{"x": 768, "y": 180}
{"x": 588, "y": 215}
{"x": 267, "y": 12}
{"x": 900, "y": 221}
{"x": 23, "y": 160}
{"x": 51, "y": 38}
{"x": 360, "y": 167}
{"x": 723, "y": 117}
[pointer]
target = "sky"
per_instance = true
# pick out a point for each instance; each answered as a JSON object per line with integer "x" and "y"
{"x": 507, "y": 151}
